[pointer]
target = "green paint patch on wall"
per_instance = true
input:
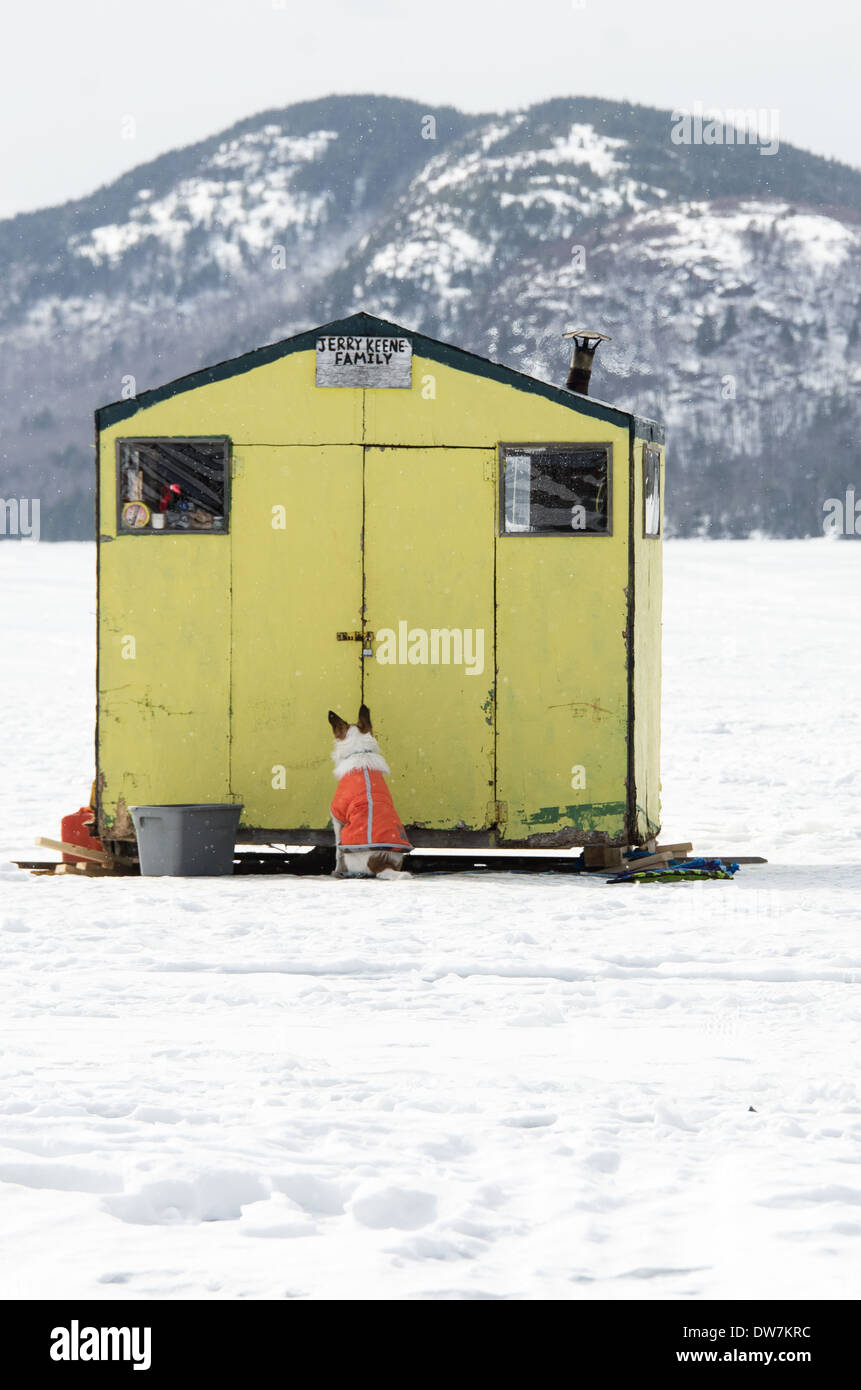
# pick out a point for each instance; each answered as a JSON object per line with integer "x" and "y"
{"x": 652, "y": 826}
{"x": 487, "y": 707}
{"x": 579, "y": 817}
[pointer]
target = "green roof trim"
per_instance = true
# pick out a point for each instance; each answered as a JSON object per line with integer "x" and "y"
{"x": 369, "y": 324}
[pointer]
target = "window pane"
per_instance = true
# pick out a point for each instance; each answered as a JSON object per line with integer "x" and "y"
{"x": 651, "y": 492}
{"x": 517, "y": 471}
{"x": 173, "y": 485}
{"x": 557, "y": 491}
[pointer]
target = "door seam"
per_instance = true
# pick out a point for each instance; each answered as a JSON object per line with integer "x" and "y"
{"x": 363, "y": 614}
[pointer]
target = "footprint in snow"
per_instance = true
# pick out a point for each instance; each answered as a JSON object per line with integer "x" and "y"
{"x": 59, "y": 1177}
{"x": 529, "y": 1121}
{"x": 276, "y": 1219}
{"x": 395, "y": 1208}
{"x": 451, "y": 1147}
{"x": 173, "y": 1202}
{"x": 316, "y": 1195}
{"x": 423, "y": 1247}
{"x": 603, "y": 1161}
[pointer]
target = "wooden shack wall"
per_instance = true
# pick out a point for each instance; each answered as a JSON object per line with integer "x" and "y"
{"x": 216, "y": 653}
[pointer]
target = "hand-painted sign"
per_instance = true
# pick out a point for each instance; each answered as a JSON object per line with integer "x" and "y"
{"x": 344, "y": 361}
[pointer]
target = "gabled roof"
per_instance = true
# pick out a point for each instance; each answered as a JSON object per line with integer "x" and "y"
{"x": 369, "y": 325}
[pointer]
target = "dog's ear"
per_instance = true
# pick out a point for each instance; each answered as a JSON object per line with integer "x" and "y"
{"x": 339, "y": 725}
{"x": 364, "y": 720}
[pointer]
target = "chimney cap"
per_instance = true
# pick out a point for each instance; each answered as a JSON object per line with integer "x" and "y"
{"x": 588, "y": 333}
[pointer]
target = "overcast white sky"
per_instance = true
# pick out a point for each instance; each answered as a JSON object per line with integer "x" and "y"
{"x": 188, "y": 68}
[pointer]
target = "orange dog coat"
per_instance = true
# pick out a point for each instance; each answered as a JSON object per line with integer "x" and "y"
{"x": 363, "y": 805}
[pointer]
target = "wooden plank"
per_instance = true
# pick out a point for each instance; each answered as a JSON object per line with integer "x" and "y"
{"x": 85, "y": 869}
{"x": 681, "y": 850}
{"x": 117, "y": 868}
{"x": 648, "y": 861}
{"x": 603, "y": 857}
{"x": 98, "y": 856}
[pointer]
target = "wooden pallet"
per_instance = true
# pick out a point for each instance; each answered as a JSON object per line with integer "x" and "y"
{"x": 616, "y": 857}
{"x": 600, "y": 858}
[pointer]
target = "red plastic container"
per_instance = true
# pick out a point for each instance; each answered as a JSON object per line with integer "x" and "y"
{"x": 73, "y": 831}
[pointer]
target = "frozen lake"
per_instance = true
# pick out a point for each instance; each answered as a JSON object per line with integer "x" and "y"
{"x": 509, "y": 1087}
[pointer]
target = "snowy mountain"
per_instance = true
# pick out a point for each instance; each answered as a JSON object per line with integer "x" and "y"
{"x": 728, "y": 279}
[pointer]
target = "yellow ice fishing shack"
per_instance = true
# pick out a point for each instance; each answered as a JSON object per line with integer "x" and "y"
{"x": 363, "y": 513}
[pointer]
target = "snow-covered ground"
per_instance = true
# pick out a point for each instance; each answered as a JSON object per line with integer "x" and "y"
{"x": 496, "y": 1087}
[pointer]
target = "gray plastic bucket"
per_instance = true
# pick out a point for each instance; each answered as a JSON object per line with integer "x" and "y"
{"x": 186, "y": 840}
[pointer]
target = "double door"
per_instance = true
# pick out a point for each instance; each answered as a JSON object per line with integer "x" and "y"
{"x": 364, "y": 574}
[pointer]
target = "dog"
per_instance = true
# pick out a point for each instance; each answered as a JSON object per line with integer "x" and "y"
{"x": 370, "y": 841}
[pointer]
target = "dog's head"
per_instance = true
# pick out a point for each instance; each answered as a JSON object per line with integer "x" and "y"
{"x": 355, "y": 745}
{"x": 340, "y": 727}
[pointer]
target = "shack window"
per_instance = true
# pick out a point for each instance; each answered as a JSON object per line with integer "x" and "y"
{"x": 556, "y": 490}
{"x": 172, "y": 485}
{"x": 651, "y": 491}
